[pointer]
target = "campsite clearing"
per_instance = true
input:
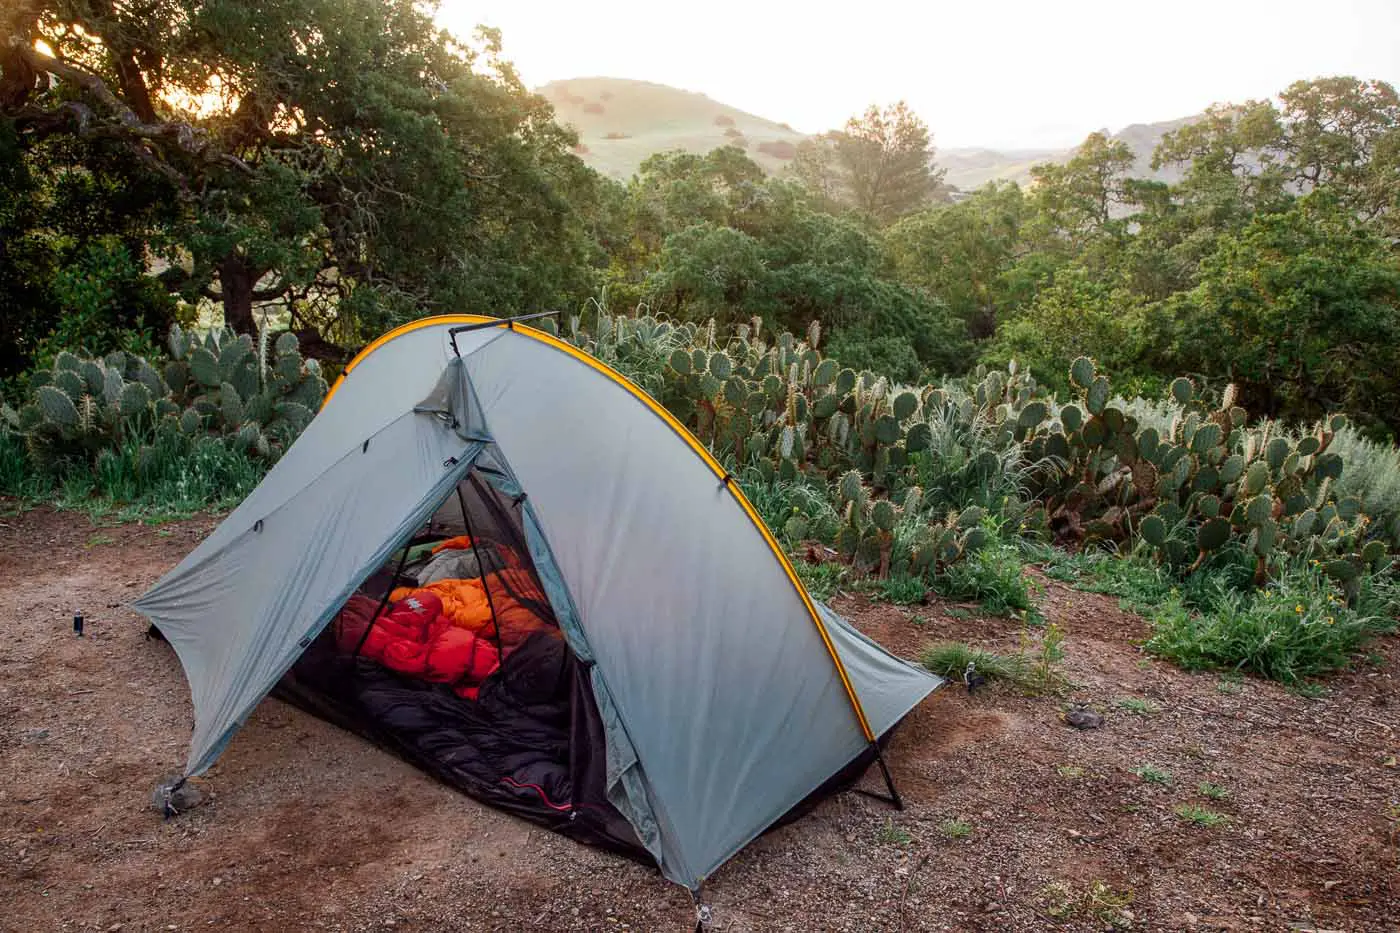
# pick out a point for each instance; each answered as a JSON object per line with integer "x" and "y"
{"x": 1013, "y": 820}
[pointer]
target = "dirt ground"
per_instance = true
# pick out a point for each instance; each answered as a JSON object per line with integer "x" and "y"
{"x": 306, "y": 827}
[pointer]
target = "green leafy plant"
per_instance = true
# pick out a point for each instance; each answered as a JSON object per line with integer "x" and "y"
{"x": 892, "y": 834}
{"x": 1138, "y": 706}
{"x": 1200, "y": 816}
{"x": 954, "y": 828}
{"x": 1151, "y": 774}
{"x": 1212, "y": 791}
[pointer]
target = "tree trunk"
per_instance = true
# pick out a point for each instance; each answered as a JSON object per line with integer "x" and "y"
{"x": 236, "y": 286}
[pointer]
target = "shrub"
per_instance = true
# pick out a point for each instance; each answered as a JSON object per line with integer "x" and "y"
{"x": 993, "y": 576}
{"x": 1371, "y": 473}
{"x": 778, "y": 149}
{"x": 1298, "y": 626}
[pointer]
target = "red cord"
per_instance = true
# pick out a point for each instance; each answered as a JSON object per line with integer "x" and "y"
{"x": 539, "y": 790}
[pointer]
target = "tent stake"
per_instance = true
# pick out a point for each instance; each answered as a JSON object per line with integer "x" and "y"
{"x": 481, "y": 568}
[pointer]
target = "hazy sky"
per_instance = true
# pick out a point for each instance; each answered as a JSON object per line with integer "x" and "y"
{"x": 980, "y": 72}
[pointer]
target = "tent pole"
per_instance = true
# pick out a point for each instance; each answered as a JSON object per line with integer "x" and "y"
{"x": 894, "y": 797}
{"x": 383, "y": 602}
{"x": 481, "y": 568}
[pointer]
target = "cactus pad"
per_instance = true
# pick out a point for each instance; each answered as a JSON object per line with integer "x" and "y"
{"x": 1081, "y": 372}
{"x": 1212, "y": 535}
{"x": 1182, "y": 390}
{"x": 1096, "y": 397}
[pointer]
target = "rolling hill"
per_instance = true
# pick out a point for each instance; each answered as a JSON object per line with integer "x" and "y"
{"x": 620, "y": 122}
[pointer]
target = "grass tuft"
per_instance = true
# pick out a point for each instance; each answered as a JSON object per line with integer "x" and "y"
{"x": 1151, "y": 774}
{"x": 1138, "y": 706}
{"x": 955, "y": 829}
{"x": 1032, "y": 669}
{"x": 1213, "y": 791}
{"x": 1200, "y": 816}
{"x": 892, "y": 834}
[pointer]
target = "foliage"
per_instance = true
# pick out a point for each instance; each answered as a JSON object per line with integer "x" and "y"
{"x": 1200, "y": 816}
{"x": 994, "y": 577}
{"x": 1032, "y": 668}
{"x": 1371, "y": 475}
{"x": 1297, "y": 627}
{"x": 709, "y": 236}
{"x": 347, "y": 164}
{"x": 880, "y": 165}
{"x": 82, "y": 409}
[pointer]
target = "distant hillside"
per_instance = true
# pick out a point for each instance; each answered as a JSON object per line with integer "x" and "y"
{"x": 620, "y": 122}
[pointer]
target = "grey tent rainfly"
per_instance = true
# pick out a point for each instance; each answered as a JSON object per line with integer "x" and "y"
{"x": 500, "y": 559}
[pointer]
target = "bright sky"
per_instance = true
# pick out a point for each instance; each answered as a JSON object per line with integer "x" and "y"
{"x": 997, "y": 73}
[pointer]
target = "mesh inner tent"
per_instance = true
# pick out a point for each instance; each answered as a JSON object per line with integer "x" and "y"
{"x": 450, "y": 656}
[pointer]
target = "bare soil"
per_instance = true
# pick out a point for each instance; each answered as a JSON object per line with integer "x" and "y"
{"x": 306, "y": 827}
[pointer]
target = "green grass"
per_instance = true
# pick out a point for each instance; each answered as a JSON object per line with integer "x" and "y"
{"x": 178, "y": 477}
{"x": 902, "y": 590}
{"x": 993, "y": 577}
{"x": 18, "y": 478}
{"x": 1138, "y": 706}
{"x": 1151, "y": 774}
{"x": 1032, "y": 669}
{"x": 1200, "y": 816}
{"x": 955, "y": 829}
{"x": 821, "y": 580}
{"x": 891, "y": 834}
{"x": 1297, "y": 626}
{"x": 1213, "y": 791}
{"x": 950, "y": 660}
{"x": 1069, "y": 772}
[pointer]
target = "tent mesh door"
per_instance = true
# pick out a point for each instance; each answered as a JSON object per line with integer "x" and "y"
{"x": 465, "y": 673}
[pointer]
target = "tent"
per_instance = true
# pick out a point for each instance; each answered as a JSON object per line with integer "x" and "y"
{"x": 648, "y": 673}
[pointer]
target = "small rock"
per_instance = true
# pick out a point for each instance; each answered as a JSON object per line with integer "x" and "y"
{"x": 218, "y": 881}
{"x": 33, "y": 736}
{"x": 114, "y": 928}
{"x": 1082, "y": 718}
